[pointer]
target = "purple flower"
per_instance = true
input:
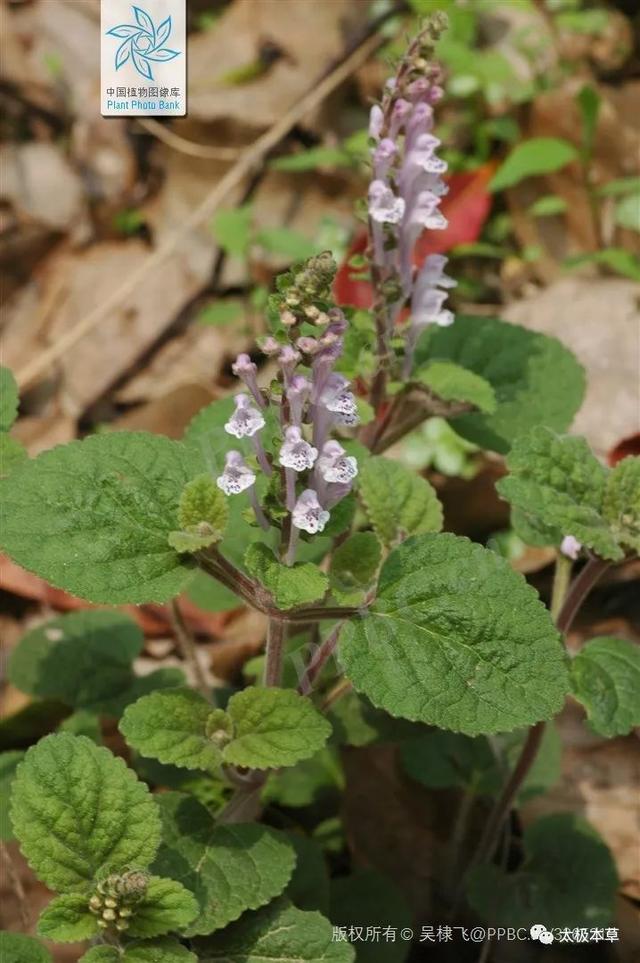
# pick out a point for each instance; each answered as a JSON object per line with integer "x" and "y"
{"x": 308, "y": 514}
{"x": 246, "y": 420}
{"x": 335, "y": 466}
{"x": 296, "y": 453}
{"x": 427, "y": 300}
{"x": 270, "y": 346}
{"x": 399, "y": 114}
{"x": 297, "y": 394}
{"x": 383, "y": 157}
{"x": 384, "y": 206}
{"x": 237, "y": 476}
{"x": 376, "y": 122}
{"x": 288, "y": 359}
{"x": 570, "y": 547}
{"x": 308, "y": 345}
{"x": 244, "y": 368}
{"x": 337, "y": 399}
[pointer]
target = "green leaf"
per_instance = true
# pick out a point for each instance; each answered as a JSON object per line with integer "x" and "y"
{"x": 615, "y": 258}
{"x": 589, "y": 103}
{"x": 229, "y": 868}
{"x": 163, "y": 950}
{"x": 8, "y": 764}
{"x": 308, "y": 888}
{"x": 558, "y": 483}
{"x": 398, "y": 503}
{"x": 605, "y": 678}
{"x": 8, "y": 398}
{"x": 310, "y": 160}
{"x": 540, "y": 155}
{"x": 173, "y": 726}
{"x": 535, "y": 378}
{"x": 456, "y": 638}
{"x": 357, "y": 723}
{"x": 232, "y": 229}
{"x": 202, "y": 501}
{"x": 273, "y": 727}
{"x": 12, "y": 454}
{"x": 619, "y": 186}
{"x": 77, "y": 809}
{"x": 282, "y": 240}
{"x": 93, "y": 516}
{"x": 290, "y": 586}
{"x": 442, "y": 760}
{"x": 279, "y": 933}
{"x": 548, "y": 205}
{"x": 365, "y": 899}
{"x": 67, "y": 919}
{"x": 354, "y": 565}
{"x": 17, "y": 948}
{"x": 627, "y": 212}
{"x": 567, "y": 879}
{"x": 209, "y": 594}
{"x": 221, "y": 313}
{"x": 451, "y": 382}
{"x": 307, "y": 782}
{"x": 83, "y": 723}
{"x": 82, "y": 658}
{"x": 167, "y": 905}
{"x": 621, "y": 504}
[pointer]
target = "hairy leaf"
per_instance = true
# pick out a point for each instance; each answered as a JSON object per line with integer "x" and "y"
{"x": 82, "y": 658}
{"x": 8, "y": 398}
{"x": 12, "y": 454}
{"x": 354, "y": 565}
{"x": 167, "y": 905}
{"x": 279, "y": 933}
{"x": 398, "y": 502}
{"x": 273, "y": 727}
{"x": 172, "y": 726}
{"x": 451, "y": 382}
{"x": 83, "y": 723}
{"x": 290, "y": 585}
{"x": 540, "y": 155}
{"x": 18, "y": 948}
{"x": 67, "y": 919}
{"x": 557, "y": 482}
{"x": 456, "y": 639}
{"x": 605, "y": 678}
{"x": 8, "y": 764}
{"x": 567, "y": 879}
{"x": 536, "y": 379}
{"x": 93, "y": 517}
{"x": 621, "y": 504}
{"x": 166, "y": 949}
{"x": 77, "y": 809}
{"x": 229, "y": 868}
{"x": 202, "y": 515}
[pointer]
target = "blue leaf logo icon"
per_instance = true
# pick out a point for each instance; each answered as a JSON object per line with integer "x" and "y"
{"x": 143, "y": 43}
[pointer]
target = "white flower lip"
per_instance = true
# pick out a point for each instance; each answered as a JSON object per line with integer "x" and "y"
{"x": 237, "y": 476}
{"x": 384, "y": 206}
{"x": 246, "y": 420}
{"x": 296, "y": 453}
{"x": 308, "y": 514}
{"x": 335, "y": 466}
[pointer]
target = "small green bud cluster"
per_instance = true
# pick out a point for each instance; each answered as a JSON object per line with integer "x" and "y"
{"x": 304, "y": 292}
{"x": 219, "y": 728}
{"x": 115, "y": 897}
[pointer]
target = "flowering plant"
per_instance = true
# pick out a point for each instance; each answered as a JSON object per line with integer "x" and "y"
{"x": 379, "y": 626}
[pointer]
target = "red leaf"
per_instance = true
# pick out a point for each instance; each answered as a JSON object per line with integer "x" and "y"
{"x": 466, "y": 207}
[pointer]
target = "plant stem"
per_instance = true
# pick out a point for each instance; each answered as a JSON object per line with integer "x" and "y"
{"x": 574, "y": 597}
{"x": 318, "y": 660}
{"x": 561, "y": 580}
{"x": 188, "y": 648}
{"x": 340, "y": 688}
{"x": 274, "y": 652}
{"x": 458, "y": 833}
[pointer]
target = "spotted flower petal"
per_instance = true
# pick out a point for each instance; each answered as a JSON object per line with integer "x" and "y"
{"x": 308, "y": 514}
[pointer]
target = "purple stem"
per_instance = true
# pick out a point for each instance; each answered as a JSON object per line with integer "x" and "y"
{"x": 290, "y": 555}
{"x": 261, "y": 518}
{"x": 290, "y": 481}
{"x": 260, "y": 454}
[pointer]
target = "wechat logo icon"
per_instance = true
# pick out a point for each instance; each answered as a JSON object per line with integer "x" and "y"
{"x": 541, "y": 933}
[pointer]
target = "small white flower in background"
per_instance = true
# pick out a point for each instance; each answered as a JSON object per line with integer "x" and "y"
{"x": 246, "y": 420}
{"x": 308, "y": 514}
{"x": 376, "y": 121}
{"x": 570, "y": 547}
{"x": 384, "y": 206}
{"x": 237, "y": 476}
{"x": 337, "y": 399}
{"x": 335, "y": 466}
{"x": 297, "y": 453}
{"x": 426, "y": 308}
